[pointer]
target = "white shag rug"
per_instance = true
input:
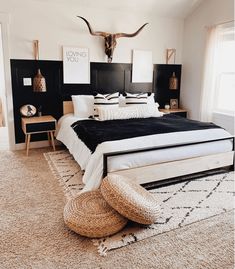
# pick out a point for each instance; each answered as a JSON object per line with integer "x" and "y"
{"x": 181, "y": 204}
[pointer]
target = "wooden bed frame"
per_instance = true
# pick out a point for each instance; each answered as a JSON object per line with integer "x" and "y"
{"x": 67, "y": 107}
{"x": 165, "y": 173}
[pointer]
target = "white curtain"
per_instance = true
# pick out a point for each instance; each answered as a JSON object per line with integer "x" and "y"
{"x": 208, "y": 83}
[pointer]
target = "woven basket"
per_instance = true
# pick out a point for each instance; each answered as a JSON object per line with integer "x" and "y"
{"x": 130, "y": 199}
{"x": 90, "y": 215}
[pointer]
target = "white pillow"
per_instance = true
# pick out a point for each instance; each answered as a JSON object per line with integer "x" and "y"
{"x": 136, "y": 99}
{"x": 140, "y": 111}
{"x": 122, "y": 100}
{"x": 83, "y": 105}
{"x": 105, "y": 100}
{"x": 151, "y": 100}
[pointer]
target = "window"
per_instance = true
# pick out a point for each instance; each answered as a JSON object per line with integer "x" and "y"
{"x": 218, "y": 85}
{"x": 224, "y": 98}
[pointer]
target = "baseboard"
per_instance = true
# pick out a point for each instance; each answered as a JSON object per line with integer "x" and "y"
{"x": 36, "y": 144}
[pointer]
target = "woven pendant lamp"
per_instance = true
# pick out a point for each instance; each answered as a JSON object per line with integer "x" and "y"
{"x": 39, "y": 81}
{"x": 173, "y": 82}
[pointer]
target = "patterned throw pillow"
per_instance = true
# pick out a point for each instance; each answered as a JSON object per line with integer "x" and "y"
{"x": 129, "y": 112}
{"x": 105, "y": 100}
{"x": 136, "y": 98}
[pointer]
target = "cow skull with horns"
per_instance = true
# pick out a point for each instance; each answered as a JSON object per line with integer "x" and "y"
{"x": 110, "y": 39}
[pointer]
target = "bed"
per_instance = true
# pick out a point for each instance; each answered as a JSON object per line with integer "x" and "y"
{"x": 160, "y": 158}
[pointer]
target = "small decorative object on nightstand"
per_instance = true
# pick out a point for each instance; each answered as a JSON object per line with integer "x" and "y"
{"x": 174, "y": 104}
{"x": 167, "y": 106}
{"x": 34, "y": 125}
{"x": 177, "y": 111}
{"x": 28, "y": 110}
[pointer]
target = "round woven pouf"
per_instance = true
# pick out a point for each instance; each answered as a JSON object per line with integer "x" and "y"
{"x": 130, "y": 199}
{"x": 90, "y": 215}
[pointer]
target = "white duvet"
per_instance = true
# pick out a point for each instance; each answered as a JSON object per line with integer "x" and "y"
{"x": 93, "y": 163}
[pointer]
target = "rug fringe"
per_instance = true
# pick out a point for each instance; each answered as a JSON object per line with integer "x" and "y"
{"x": 102, "y": 250}
{"x": 55, "y": 173}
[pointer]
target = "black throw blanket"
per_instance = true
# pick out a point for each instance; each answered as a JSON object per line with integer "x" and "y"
{"x": 93, "y": 132}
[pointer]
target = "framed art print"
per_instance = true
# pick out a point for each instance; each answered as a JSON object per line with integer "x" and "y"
{"x": 142, "y": 67}
{"x": 76, "y": 65}
{"x": 174, "y": 104}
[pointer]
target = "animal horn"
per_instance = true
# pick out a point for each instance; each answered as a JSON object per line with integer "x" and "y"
{"x": 130, "y": 35}
{"x": 90, "y": 29}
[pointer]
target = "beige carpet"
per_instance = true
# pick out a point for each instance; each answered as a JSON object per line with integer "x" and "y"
{"x": 32, "y": 233}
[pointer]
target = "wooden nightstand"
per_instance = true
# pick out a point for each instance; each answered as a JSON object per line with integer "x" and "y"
{"x": 177, "y": 111}
{"x": 34, "y": 125}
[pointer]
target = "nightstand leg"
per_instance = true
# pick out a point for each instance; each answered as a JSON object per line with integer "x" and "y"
{"x": 52, "y": 140}
{"x": 28, "y": 136}
{"x": 49, "y": 138}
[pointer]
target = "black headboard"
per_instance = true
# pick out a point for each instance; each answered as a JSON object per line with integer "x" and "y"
{"x": 105, "y": 78}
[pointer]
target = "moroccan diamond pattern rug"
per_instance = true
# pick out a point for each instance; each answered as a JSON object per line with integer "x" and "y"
{"x": 181, "y": 204}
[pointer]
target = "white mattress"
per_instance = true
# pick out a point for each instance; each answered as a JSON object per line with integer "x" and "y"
{"x": 93, "y": 163}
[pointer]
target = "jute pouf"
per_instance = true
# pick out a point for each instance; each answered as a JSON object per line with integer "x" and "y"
{"x": 130, "y": 199}
{"x": 90, "y": 215}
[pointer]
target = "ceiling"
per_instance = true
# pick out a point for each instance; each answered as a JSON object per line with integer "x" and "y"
{"x": 164, "y": 8}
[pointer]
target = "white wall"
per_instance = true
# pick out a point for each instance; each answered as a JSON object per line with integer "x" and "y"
{"x": 55, "y": 24}
{"x": 4, "y": 21}
{"x": 210, "y": 12}
{"x": 2, "y": 79}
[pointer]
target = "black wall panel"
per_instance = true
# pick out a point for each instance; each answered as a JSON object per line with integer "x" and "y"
{"x": 162, "y": 92}
{"x": 105, "y": 78}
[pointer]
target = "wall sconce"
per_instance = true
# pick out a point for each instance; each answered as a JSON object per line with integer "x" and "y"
{"x": 39, "y": 82}
{"x": 173, "y": 82}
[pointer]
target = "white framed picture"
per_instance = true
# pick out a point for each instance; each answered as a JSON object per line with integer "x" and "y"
{"x": 142, "y": 67}
{"x": 76, "y": 65}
